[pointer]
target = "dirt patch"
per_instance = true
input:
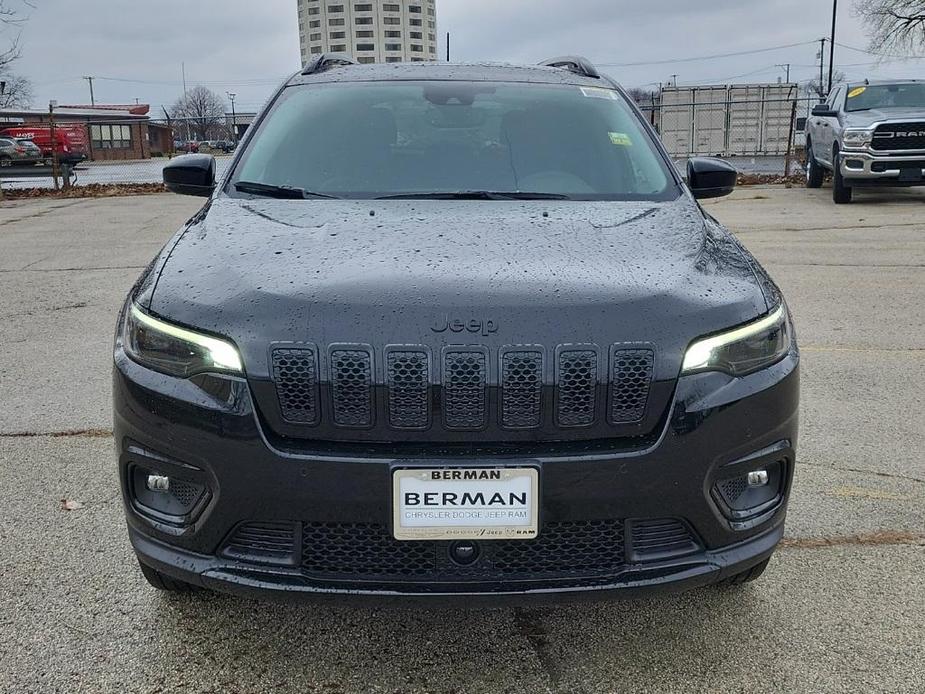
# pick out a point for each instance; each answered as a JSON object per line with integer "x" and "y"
{"x": 883, "y": 537}
{"x": 96, "y": 190}
{"x": 76, "y": 433}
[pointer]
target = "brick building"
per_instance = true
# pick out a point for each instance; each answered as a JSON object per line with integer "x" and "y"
{"x": 114, "y": 132}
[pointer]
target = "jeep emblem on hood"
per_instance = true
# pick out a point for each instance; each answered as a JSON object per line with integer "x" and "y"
{"x": 474, "y": 325}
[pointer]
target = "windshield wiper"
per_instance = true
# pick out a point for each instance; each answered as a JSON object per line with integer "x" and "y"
{"x": 271, "y": 191}
{"x": 476, "y": 195}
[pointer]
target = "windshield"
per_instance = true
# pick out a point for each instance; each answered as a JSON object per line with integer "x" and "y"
{"x": 380, "y": 139}
{"x": 866, "y": 97}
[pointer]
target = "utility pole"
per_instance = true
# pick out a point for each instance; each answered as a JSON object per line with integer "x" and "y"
{"x": 186, "y": 118}
{"x": 92, "y": 100}
{"x": 674, "y": 80}
{"x": 447, "y": 46}
{"x": 821, "y": 66}
{"x": 832, "y": 44}
{"x": 785, "y": 66}
{"x": 234, "y": 118}
{"x": 54, "y": 142}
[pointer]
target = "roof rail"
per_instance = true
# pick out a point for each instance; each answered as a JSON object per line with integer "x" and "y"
{"x": 326, "y": 61}
{"x": 574, "y": 63}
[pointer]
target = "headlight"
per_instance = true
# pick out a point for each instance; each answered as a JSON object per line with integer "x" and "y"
{"x": 744, "y": 350}
{"x": 858, "y": 138}
{"x": 176, "y": 351}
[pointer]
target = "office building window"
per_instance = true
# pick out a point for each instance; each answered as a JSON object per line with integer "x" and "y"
{"x": 363, "y": 8}
{"x": 366, "y": 59}
{"x": 416, "y": 22}
{"x": 393, "y": 59}
{"x": 391, "y": 8}
{"x": 365, "y": 34}
{"x": 366, "y": 46}
{"x": 339, "y": 48}
{"x": 316, "y": 49}
{"x": 393, "y": 46}
{"x": 414, "y": 9}
{"x": 314, "y": 10}
{"x": 337, "y": 22}
{"x": 393, "y": 34}
{"x": 415, "y": 48}
{"x": 335, "y": 8}
{"x": 338, "y": 34}
{"x": 314, "y": 24}
{"x": 364, "y": 20}
{"x": 391, "y": 20}
{"x": 416, "y": 35}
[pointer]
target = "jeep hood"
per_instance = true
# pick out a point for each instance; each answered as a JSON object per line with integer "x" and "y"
{"x": 394, "y": 272}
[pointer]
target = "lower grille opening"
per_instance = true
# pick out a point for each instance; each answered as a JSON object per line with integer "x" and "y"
{"x": 368, "y": 551}
{"x": 659, "y": 538}
{"x": 263, "y": 543}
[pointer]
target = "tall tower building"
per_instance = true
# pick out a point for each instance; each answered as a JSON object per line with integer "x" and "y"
{"x": 372, "y": 31}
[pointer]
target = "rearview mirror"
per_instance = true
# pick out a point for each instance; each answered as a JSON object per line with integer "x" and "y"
{"x": 710, "y": 178}
{"x": 191, "y": 174}
{"x": 823, "y": 111}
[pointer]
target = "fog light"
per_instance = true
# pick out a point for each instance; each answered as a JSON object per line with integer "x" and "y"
{"x": 758, "y": 478}
{"x": 158, "y": 483}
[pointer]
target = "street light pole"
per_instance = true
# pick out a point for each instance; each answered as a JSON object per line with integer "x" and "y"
{"x": 234, "y": 118}
{"x": 785, "y": 66}
{"x": 832, "y": 43}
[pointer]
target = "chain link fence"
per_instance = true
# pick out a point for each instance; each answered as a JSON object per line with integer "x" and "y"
{"x": 757, "y": 136}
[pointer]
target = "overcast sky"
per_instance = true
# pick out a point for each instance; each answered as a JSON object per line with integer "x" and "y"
{"x": 135, "y": 50}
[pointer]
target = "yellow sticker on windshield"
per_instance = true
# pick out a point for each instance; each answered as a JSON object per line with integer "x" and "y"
{"x": 856, "y": 92}
{"x": 621, "y": 139}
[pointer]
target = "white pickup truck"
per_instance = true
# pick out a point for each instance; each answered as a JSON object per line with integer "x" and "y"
{"x": 868, "y": 134}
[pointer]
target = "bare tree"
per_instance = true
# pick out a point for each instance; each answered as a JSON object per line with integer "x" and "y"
{"x": 203, "y": 109}
{"x": 17, "y": 89}
{"x": 894, "y": 25}
{"x": 821, "y": 89}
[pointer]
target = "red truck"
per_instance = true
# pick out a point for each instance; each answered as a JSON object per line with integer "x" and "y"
{"x": 71, "y": 140}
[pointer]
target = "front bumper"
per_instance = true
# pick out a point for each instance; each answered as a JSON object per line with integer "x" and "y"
{"x": 864, "y": 168}
{"x": 718, "y": 428}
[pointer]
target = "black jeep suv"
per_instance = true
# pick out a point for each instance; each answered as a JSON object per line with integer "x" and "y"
{"x": 453, "y": 331}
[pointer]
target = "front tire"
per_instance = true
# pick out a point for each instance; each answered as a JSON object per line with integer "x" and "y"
{"x": 164, "y": 582}
{"x": 841, "y": 193}
{"x": 814, "y": 172}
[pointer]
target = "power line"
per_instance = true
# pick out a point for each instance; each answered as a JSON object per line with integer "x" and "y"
{"x": 709, "y": 57}
{"x": 881, "y": 55}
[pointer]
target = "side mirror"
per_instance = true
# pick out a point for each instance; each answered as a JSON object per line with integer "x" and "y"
{"x": 710, "y": 178}
{"x": 191, "y": 174}
{"x": 823, "y": 111}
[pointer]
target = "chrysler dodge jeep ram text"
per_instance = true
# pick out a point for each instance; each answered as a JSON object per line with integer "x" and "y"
{"x": 453, "y": 331}
{"x": 868, "y": 134}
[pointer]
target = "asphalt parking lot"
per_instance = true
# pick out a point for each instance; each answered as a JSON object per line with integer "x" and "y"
{"x": 841, "y": 608}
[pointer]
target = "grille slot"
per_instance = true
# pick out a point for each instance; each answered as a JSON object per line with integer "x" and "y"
{"x": 576, "y": 377}
{"x": 521, "y": 389}
{"x": 263, "y": 543}
{"x": 660, "y": 538}
{"x": 630, "y": 378}
{"x": 409, "y": 389}
{"x": 901, "y": 140}
{"x": 565, "y": 549}
{"x": 465, "y": 376}
{"x": 295, "y": 372}
{"x": 351, "y": 387}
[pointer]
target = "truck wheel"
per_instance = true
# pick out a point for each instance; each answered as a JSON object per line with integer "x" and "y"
{"x": 164, "y": 582}
{"x": 746, "y": 576}
{"x": 814, "y": 172}
{"x": 841, "y": 193}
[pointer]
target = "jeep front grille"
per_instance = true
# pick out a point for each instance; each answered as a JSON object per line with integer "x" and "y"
{"x": 463, "y": 389}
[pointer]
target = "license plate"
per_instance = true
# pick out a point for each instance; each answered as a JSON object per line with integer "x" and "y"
{"x": 466, "y": 504}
